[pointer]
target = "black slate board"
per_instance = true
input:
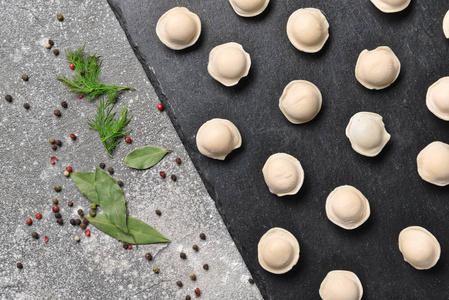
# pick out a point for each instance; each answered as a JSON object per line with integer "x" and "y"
{"x": 398, "y": 197}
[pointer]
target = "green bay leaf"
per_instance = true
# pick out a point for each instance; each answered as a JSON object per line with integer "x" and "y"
{"x": 84, "y": 181}
{"x": 142, "y": 232}
{"x": 145, "y": 157}
{"x": 111, "y": 199}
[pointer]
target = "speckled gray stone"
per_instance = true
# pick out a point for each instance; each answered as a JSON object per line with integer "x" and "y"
{"x": 97, "y": 267}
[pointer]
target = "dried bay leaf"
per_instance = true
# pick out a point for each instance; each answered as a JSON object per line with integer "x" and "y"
{"x": 84, "y": 181}
{"x": 145, "y": 157}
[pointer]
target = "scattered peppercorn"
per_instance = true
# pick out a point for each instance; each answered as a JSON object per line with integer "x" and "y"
{"x": 148, "y": 256}
{"x": 55, "y": 200}
{"x": 251, "y": 281}
{"x": 35, "y": 235}
{"x": 87, "y": 232}
{"x": 46, "y": 239}
{"x": 183, "y": 255}
{"x": 56, "y": 52}
{"x": 66, "y": 173}
{"x": 25, "y": 77}
{"x": 55, "y": 209}
{"x": 57, "y": 112}
{"x": 73, "y": 222}
{"x": 85, "y": 221}
{"x": 162, "y": 174}
{"x": 54, "y": 147}
{"x": 77, "y": 222}
{"x": 130, "y": 247}
{"x": 193, "y": 277}
{"x": 195, "y": 247}
{"x": 92, "y": 213}
{"x": 29, "y": 221}
{"x": 52, "y": 141}
{"x": 51, "y": 42}
{"x": 178, "y": 160}
{"x": 48, "y": 46}
{"x": 120, "y": 183}
{"x": 70, "y": 203}
{"x": 77, "y": 238}
{"x": 102, "y": 165}
{"x": 160, "y": 107}
{"x": 80, "y": 212}
{"x": 58, "y": 216}
{"x": 26, "y": 106}
{"x": 64, "y": 104}
{"x": 38, "y": 216}
{"x": 179, "y": 283}
{"x": 188, "y": 297}
{"x": 72, "y": 66}
{"x": 60, "y": 221}
{"x": 8, "y": 98}
{"x": 93, "y": 206}
{"x": 73, "y": 136}
{"x": 80, "y": 97}
{"x": 125, "y": 246}
{"x": 206, "y": 267}
{"x": 202, "y": 236}
{"x": 68, "y": 169}
{"x": 197, "y": 292}
{"x": 156, "y": 270}
{"x": 173, "y": 177}
{"x": 111, "y": 170}
{"x": 19, "y": 266}
{"x": 58, "y": 142}
{"x": 158, "y": 212}
{"x": 83, "y": 226}
{"x": 60, "y": 17}
{"x": 128, "y": 140}
{"x": 58, "y": 188}
{"x": 82, "y": 72}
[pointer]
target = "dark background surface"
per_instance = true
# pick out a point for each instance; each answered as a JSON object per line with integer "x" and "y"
{"x": 397, "y": 195}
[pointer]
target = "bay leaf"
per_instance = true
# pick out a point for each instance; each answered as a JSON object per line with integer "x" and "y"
{"x": 84, "y": 181}
{"x": 111, "y": 199}
{"x": 143, "y": 233}
{"x": 145, "y": 157}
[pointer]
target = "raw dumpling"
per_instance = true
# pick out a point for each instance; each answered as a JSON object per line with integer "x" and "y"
{"x": 391, "y": 6}
{"x": 283, "y": 174}
{"x": 419, "y": 247}
{"x": 446, "y": 25}
{"x": 437, "y": 99}
{"x": 249, "y": 8}
{"x": 341, "y": 285}
{"x": 433, "y": 163}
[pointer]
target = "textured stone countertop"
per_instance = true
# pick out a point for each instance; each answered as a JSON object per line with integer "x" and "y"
{"x": 97, "y": 267}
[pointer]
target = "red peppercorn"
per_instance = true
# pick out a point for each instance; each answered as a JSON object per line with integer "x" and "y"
{"x": 80, "y": 97}
{"x": 29, "y": 221}
{"x": 38, "y": 216}
{"x": 55, "y": 209}
{"x": 128, "y": 140}
{"x": 162, "y": 174}
{"x": 53, "y": 160}
{"x": 46, "y": 239}
{"x": 68, "y": 169}
{"x": 87, "y": 232}
{"x": 160, "y": 107}
{"x": 73, "y": 136}
{"x": 197, "y": 292}
{"x": 130, "y": 246}
{"x": 72, "y": 66}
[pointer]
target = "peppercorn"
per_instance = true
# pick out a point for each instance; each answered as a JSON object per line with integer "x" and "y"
{"x": 77, "y": 238}
{"x": 58, "y": 142}
{"x": 52, "y": 141}
{"x": 66, "y": 173}
{"x": 51, "y": 42}
{"x": 46, "y": 239}
{"x": 83, "y": 226}
{"x": 58, "y": 215}
{"x": 54, "y": 147}
{"x": 60, "y": 221}
{"x": 77, "y": 221}
{"x": 55, "y": 200}
{"x": 82, "y": 72}
{"x": 179, "y": 283}
{"x": 73, "y": 136}
{"x": 178, "y": 160}
{"x": 60, "y": 17}
{"x": 125, "y": 246}
{"x": 26, "y": 106}
{"x": 87, "y": 232}
{"x": 80, "y": 97}
{"x": 195, "y": 247}
{"x": 128, "y": 140}
{"x": 64, "y": 104}
{"x": 8, "y": 98}
{"x": 70, "y": 203}
{"x": 156, "y": 270}
{"x": 80, "y": 212}
{"x": 158, "y": 212}
{"x": 38, "y": 216}
{"x": 202, "y": 236}
{"x": 183, "y": 255}
{"x": 92, "y": 213}
{"x": 251, "y": 281}
{"x": 35, "y": 235}
{"x": 206, "y": 267}
{"x": 93, "y": 206}
{"x": 111, "y": 170}
{"x": 29, "y": 221}
{"x": 72, "y": 66}
{"x": 48, "y": 46}
{"x": 55, "y": 209}
{"x": 173, "y": 177}
{"x": 58, "y": 188}
{"x": 120, "y": 183}
{"x": 19, "y": 266}
{"x": 69, "y": 169}
{"x": 193, "y": 277}
{"x": 160, "y": 107}
{"x": 57, "y": 112}
{"x": 56, "y": 52}
{"x": 188, "y": 297}
{"x": 130, "y": 246}
{"x": 197, "y": 292}
{"x": 73, "y": 222}
{"x": 25, "y": 77}
{"x": 102, "y": 165}
{"x": 148, "y": 256}
{"x": 85, "y": 221}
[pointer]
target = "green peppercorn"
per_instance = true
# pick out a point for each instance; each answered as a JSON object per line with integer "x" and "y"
{"x": 148, "y": 256}
{"x": 193, "y": 277}
{"x": 58, "y": 188}
{"x": 206, "y": 267}
{"x": 93, "y": 206}
{"x": 83, "y": 226}
{"x": 195, "y": 247}
{"x": 60, "y": 17}
{"x": 19, "y": 266}
{"x": 25, "y": 77}
{"x": 179, "y": 283}
{"x": 55, "y": 200}
{"x": 251, "y": 281}
{"x": 156, "y": 270}
{"x": 92, "y": 213}
{"x": 52, "y": 141}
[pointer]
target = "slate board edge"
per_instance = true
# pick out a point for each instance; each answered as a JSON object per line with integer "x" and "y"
{"x": 167, "y": 107}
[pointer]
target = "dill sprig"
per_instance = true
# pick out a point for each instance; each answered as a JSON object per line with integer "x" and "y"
{"x": 85, "y": 81}
{"x": 110, "y": 128}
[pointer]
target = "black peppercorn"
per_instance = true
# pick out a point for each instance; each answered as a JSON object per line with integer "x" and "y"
{"x": 83, "y": 226}
{"x": 251, "y": 281}
{"x": 58, "y": 188}
{"x": 125, "y": 246}
{"x": 183, "y": 255}
{"x": 178, "y": 160}
{"x": 54, "y": 147}
{"x": 82, "y": 72}
{"x": 206, "y": 267}
{"x": 158, "y": 212}
{"x": 35, "y": 235}
{"x": 57, "y": 112}
{"x": 195, "y": 247}
{"x": 70, "y": 203}
{"x": 60, "y": 17}
{"x": 80, "y": 212}
{"x": 51, "y": 42}
{"x": 85, "y": 221}
{"x": 8, "y": 98}
{"x": 19, "y": 266}
{"x": 56, "y": 52}
{"x": 58, "y": 142}
{"x": 77, "y": 221}
{"x": 64, "y": 104}
{"x": 111, "y": 170}
{"x": 26, "y": 106}
{"x": 73, "y": 222}
{"x": 148, "y": 256}
{"x": 25, "y": 77}
{"x": 102, "y": 165}
{"x": 179, "y": 283}
{"x": 58, "y": 215}
{"x": 202, "y": 236}
{"x": 60, "y": 221}
{"x": 120, "y": 183}
{"x": 188, "y": 297}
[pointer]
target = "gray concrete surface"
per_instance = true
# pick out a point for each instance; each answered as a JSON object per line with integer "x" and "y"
{"x": 97, "y": 267}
